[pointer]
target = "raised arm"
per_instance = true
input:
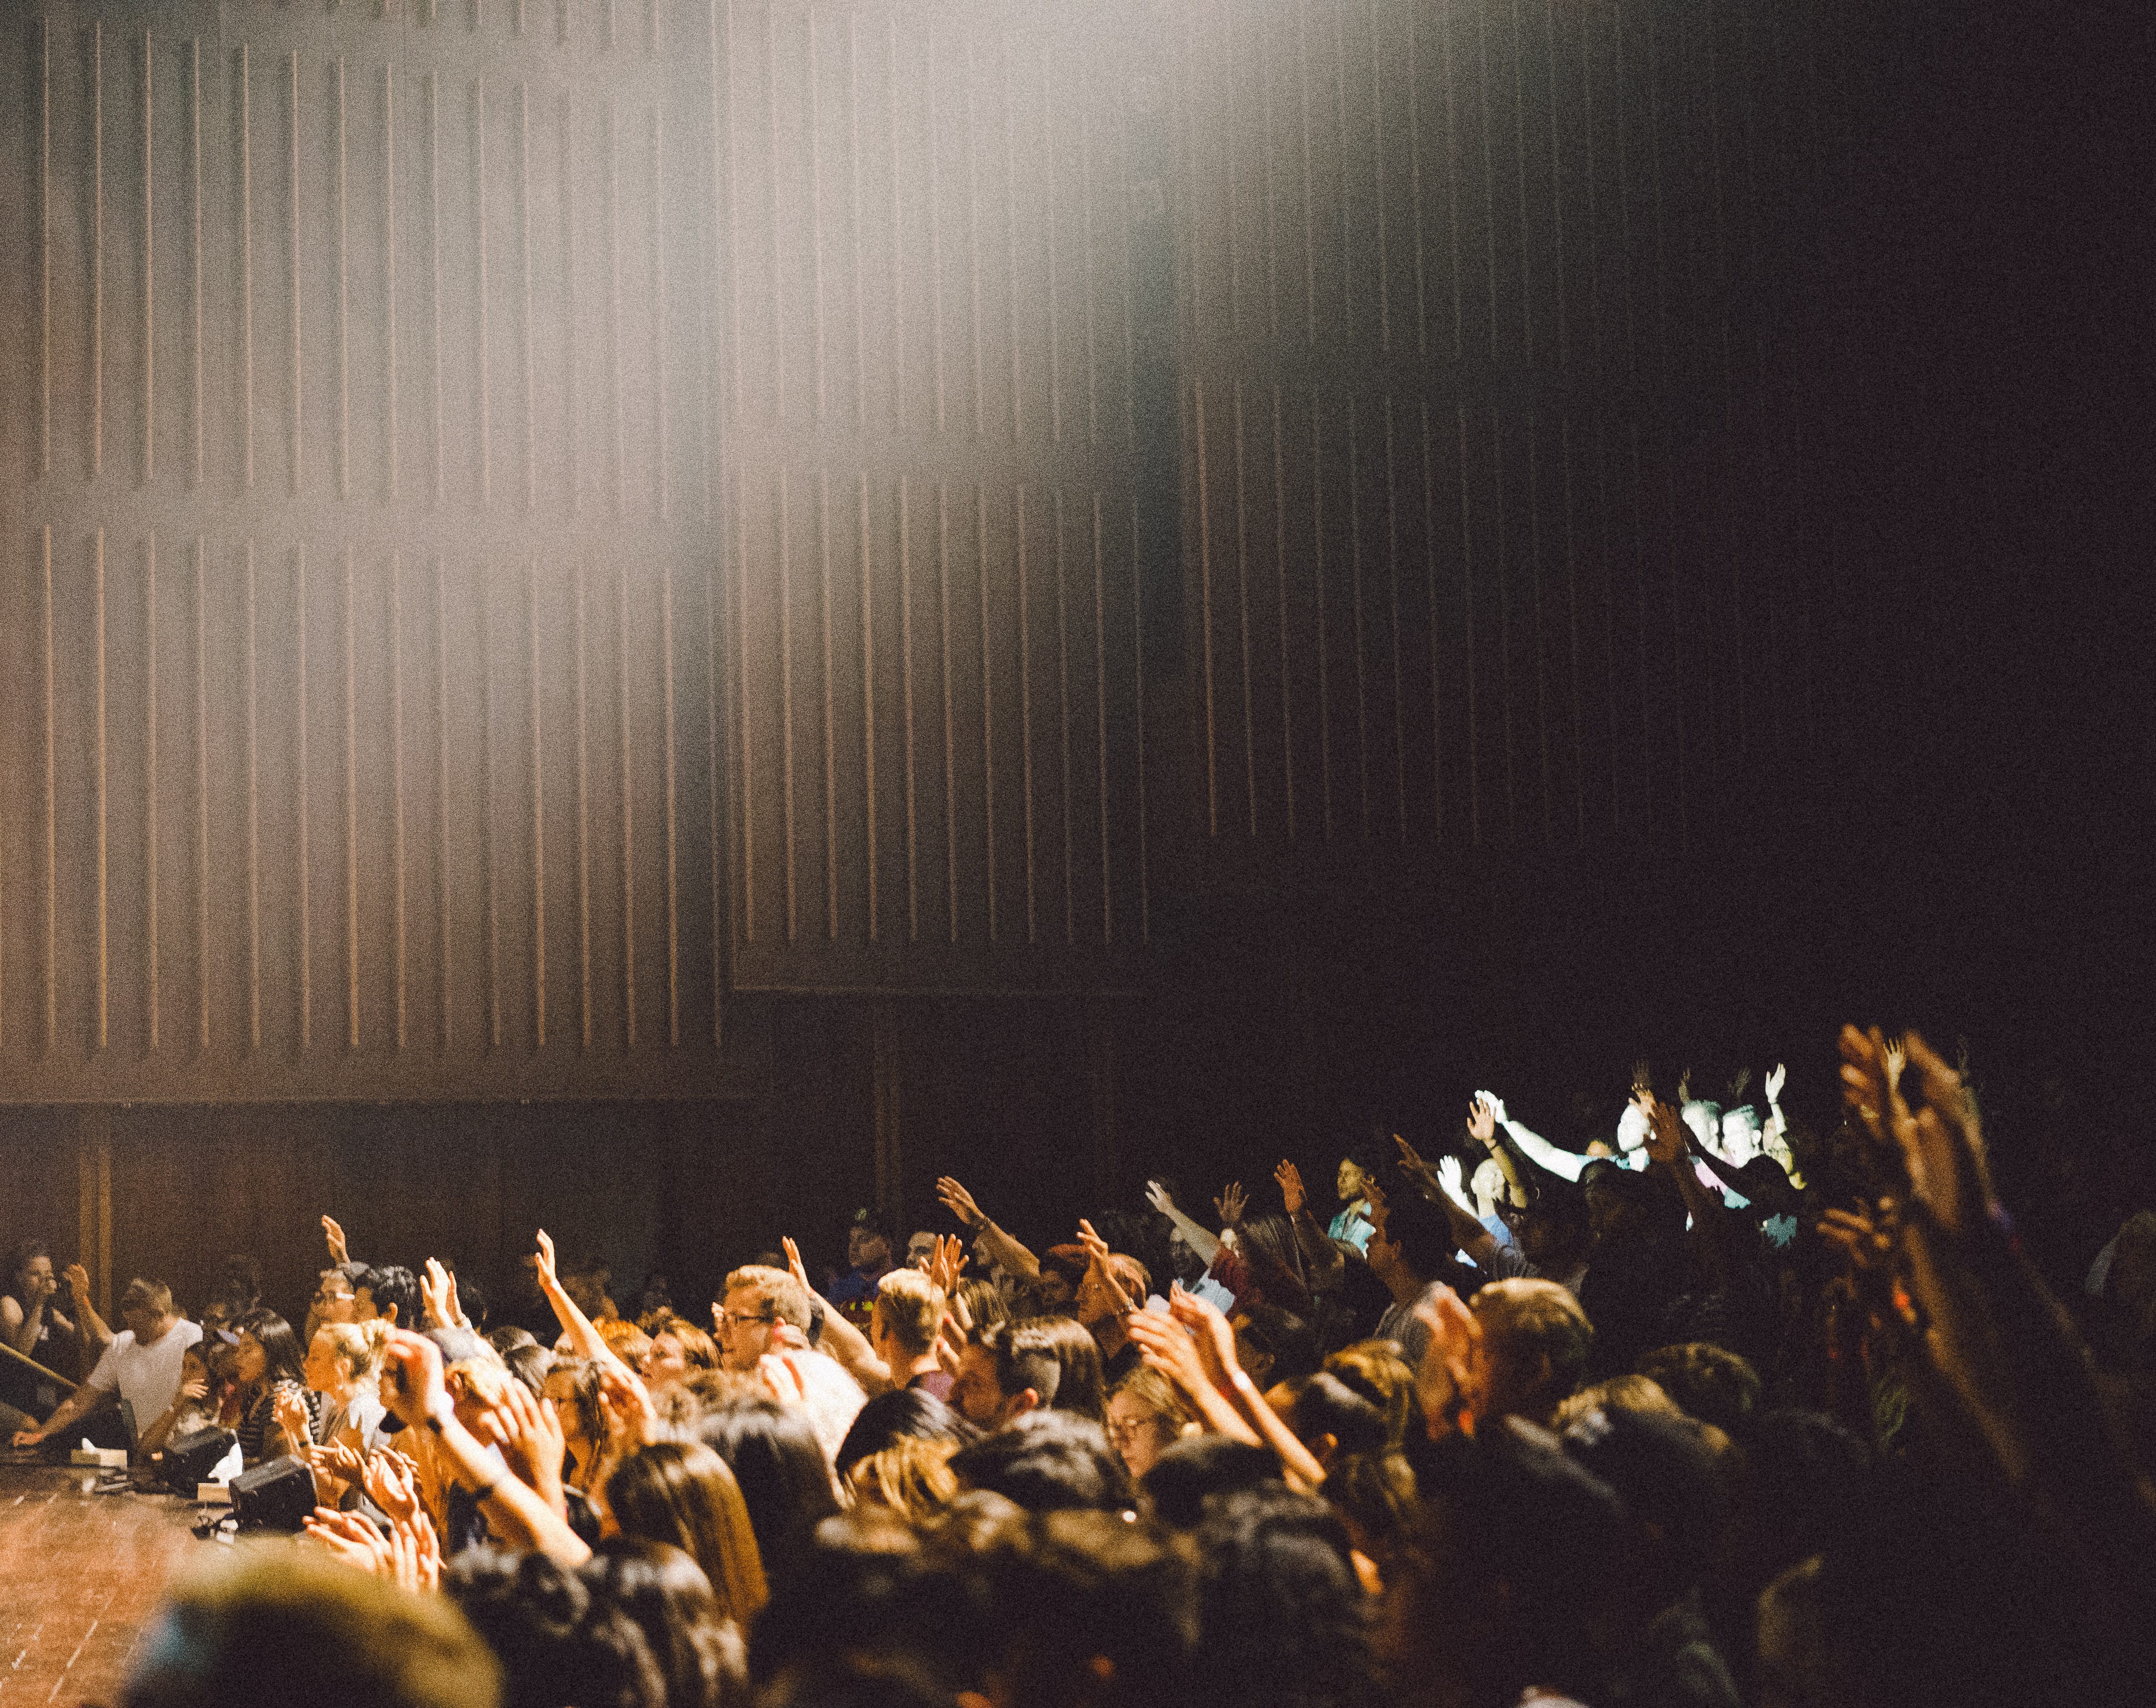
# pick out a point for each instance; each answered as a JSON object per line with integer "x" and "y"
{"x": 1566, "y": 1165}
{"x": 95, "y": 1333}
{"x": 1326, "y": 1265}
{"x": 1667, "y": 1148}
{"x": 1201, "y": 1240}
{"x": 1000, "y": 1247}
{"x": 1468, "y": 1233}
{"x": 588, "y": 1340}
{"x": 840, "y": 1338}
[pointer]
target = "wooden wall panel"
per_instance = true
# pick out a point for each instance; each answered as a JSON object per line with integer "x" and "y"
{"x": 357, "y": 534}
{"x": 1499, "y": 483}
{"x": 938, "y": 756}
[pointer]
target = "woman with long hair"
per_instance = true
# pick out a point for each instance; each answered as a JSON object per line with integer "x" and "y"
{"x": 277, "y": 1412}
{"x": 681, "y": 1492}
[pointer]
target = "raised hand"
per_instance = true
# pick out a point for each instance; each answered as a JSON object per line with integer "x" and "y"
{"x": 1738, "y": 1082}
{"x": 528, "y": 1430}
{"x": 625, "y": 1404}
{"x": 1482, "y": 1120}
{"x": 388, "y": 1480}
{"x": 351, "y": 1538}
{"x": 959, "y": 1202}
{"x": 948, "y": 1264}
{"x": 1167, "y": 1346}
{"x": 1411, "y": 1160}
{"x": 1290, "y": 1179}
{"x": 1448, "y": 1365}
{"x": 779, "y": 1379}
{"x": 1666, "y": 1132}
{"x": 415, "y": 1391}
{"x": 415, "y": 1555}
{"x": 549, "y": 1278}
{"x": 1643, "y": 1077}
{"x": 339, "y": 1252}
{"x": 1940, "y": 1144}
{"x": 1897, "y": 1057}
{"x": 1497, "y": 1103}
{"x": 338, "y": 1461}
{"x": 1451, "y": 1176}
{"x": 1156, "y": 1196}
{"x": 290, "y": 1412}
{"x": 1684, "y": 1088}
{"x": 78, "y": 1283}
{"x": 434, "y": 1295}
{"x": 1230, "y": 1204}
{"x": 1210, "y": 1333}
{"x": 1775, "y": 1080}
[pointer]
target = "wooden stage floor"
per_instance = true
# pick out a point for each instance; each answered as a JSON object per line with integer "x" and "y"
{"x": 81, "y": 1574}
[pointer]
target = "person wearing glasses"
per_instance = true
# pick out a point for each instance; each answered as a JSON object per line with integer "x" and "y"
{"x": 767, "y": 1311}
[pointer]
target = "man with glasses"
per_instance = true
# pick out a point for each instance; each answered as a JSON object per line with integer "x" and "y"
{"x": 767, "y": 1311}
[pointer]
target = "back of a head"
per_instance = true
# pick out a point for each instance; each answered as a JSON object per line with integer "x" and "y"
{"x": 1200, "y": 1467}
{"x": 785, "y": 1481}
{"x": 910, "y": 1308}
{"x": 1375, "y": 1370}
{"x": 556, "y": 1642}
{"x": 1535, "y": 1340}
{"x": 1422, "y": 1232}
{"x": 1708, "y": 1383}
{"x": 1081, "y": 1384}
{"x": 696, "y": 1646}
{"x": 682, "y": 1492}
{"x": 1283, "y": 1617}
{"x": 287, "y": 1627}
{"x": 1049, "y": 1462}
{"x": 1520, "y": 1546}
{"x": 1665, "y": 1472}
{"x": 393, "y": 1284}
{"x": 900, "y": 1414}
{"x": 1286, "y": 1339}
{"x": 1326, "y": 1405}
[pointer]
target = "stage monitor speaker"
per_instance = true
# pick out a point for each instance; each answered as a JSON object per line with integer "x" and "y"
{"x": 278, "y": 1495}
{"x": 189, "y": 1459}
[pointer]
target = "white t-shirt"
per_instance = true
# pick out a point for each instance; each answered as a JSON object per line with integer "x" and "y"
{"x": 146, "y": 1377}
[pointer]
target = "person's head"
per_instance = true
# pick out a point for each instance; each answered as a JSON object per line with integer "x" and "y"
{"x": 1517, "y": 1555}
{"x": 508, "y": 1335}
{"x": 1273, "y": 1345}
{"x": 240, "y": 1282}
{"x": 1625, "y": 1393}
{"x": 269, "y": 1352}
{"x": 1707, "y": 1381}
{"x": 911, "y": 1476}
{"x": 677, "y": 1349}
{"x": 246, "y": 1627}
{"x": 978, "y": 1302}
{"x": 919, "y": 1248}
{"x": 1487, "y": 1183}
{"x": 1201, "y": 1469}
{"x": 868, "y": 1247}
{"x": 1532, "y": 1351}
{"x": 195, "y": 1364}
{"x": 1409, "y": 1242}
{"x": 1331, "y": 1419}
{"x": 1081, "y": 1385}
{"x": 908, "y": 1311}
{"x": 557, "y": 1641}
{"x": 1663, "y": 1468}
{"x": 1375, "y": 1370}
{"x": 336, "y": 1295}
{"x": 779, "y": 1466}
{"x": 625, "y": 1340}
{"x": 30, "y": 1274}
{"x": 1062, "y": 1268}
{"x": 344, "y": 1359}
{"x": 1145, "y": 1416}
{"x": 682, "y": 1492}
{"x": 146, "y": 1308}
{"x": 697, "y": 1648}
{"x": 529, "y": 1364}
{"x": 1096, "y": 1300}
{"x": 1552, "y": 1229}
{"x": 1050, "y": 1461}
{"x": 391, "y": 1292}
{"x": 1282, "y": 1614}
{"x": 1010, "y": 1369}
{"x": 758, "y": 1299}
{"x": 573, "y": 1385}
{"x": 1351, "y": 1179}
{"x": 900, "y": 1414}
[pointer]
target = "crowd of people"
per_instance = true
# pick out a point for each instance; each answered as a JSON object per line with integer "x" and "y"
{"x": 1723, "y": 1406}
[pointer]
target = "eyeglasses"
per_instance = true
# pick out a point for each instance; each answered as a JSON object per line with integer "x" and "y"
{"x": 729, "y": 1319}
{"x": 323, "y": 1295}
{"x": 1121, "y": 1433}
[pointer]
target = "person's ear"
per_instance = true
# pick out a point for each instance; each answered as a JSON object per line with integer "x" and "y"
{"x": 1327, "y": 1444}
{"x": 1026, "y": 1399}
{"x": 389, "y": 1315}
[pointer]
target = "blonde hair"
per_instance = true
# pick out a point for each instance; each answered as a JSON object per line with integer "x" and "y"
{"x": 359, "y": 1345}
{"x": 912, "y": 1307}
{"x": 913, "y": 1477}
{"x": 624, "y": 1340}
{"x": 1147, "y": 1387}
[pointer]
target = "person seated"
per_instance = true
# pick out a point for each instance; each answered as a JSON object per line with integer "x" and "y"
{"x": 194, "y": 1405}
{"x": 32, "y": 1320}
{"x": 290, "y": 1627}
{"x": 141, "y": 1364}
{"x": 344, "y": 1368}
{"x": 279, "y": 1414}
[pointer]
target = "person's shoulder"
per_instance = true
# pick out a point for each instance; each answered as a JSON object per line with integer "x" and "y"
{"x": 188, "y": 1332}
